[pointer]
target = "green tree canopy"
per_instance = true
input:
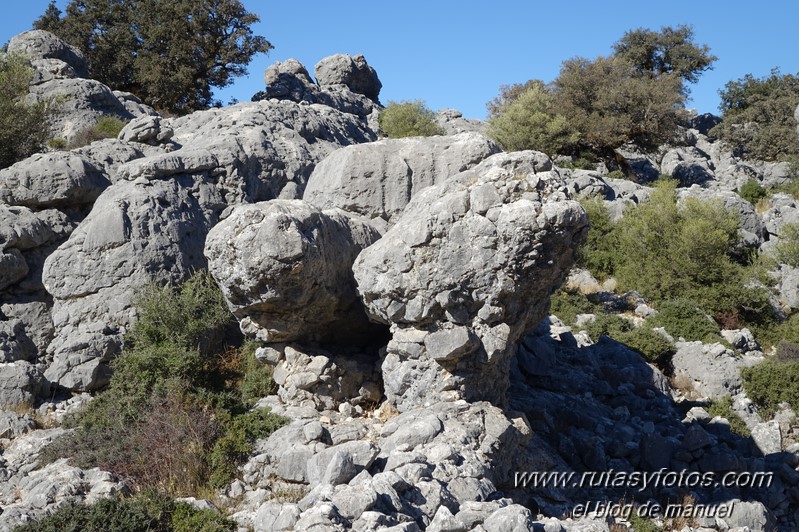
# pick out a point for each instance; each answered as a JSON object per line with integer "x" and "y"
{"x": 758, "y": 116}
{"x": 669, "y": 51}
{"x": 170, "y": 53}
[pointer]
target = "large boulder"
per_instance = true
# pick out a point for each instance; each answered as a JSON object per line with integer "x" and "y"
{"x": 40, "y": 44}
{"x": 378, "y": 179}
{"x": 58, "y": 179}
{"x": 136, "y": 233}
{"x": 465, "y": 271}
{"x": 285, "y": 268}
{"x": 352, "y": 71}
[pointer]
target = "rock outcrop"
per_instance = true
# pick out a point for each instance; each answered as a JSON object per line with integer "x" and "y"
{"x": 378, "y": 179}
{"x": 465, "y": 271}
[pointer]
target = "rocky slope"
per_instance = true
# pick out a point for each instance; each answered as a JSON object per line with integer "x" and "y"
{"x": 400, "y": 288}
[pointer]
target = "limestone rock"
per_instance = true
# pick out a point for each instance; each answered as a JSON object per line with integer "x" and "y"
{"x": 285, "y": 269}
{"x": 481, "y": 251}
{"x": 146, "y": 130}
{"x": 378, "y": 179}
{"x": 352, "y": 71}
{"x": 453, "y": 122}
{"x": 58, "y": 179}
{"x": 40, "y": 44}
{"x": 19, "y": 384}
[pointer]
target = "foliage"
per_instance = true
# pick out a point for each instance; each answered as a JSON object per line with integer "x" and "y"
{"x": 723, "y": 408}
{"x": 256, "y": 380}
{"x": 234, "y": 447}
{"x": 599, "y": 253}
{"x": 772, "y": 382}
{"x": 758, "y": 116}
{"x": 669, "y": 51}
{"x": 170, "y": 54}
{"x": 148, "y": 510}
{"x": 787, "y": 352}
{"x": 107, "y": 127}
{"x": 510, "y": 93}
{"x": 642, "y": 524}
{"x": 787, "y": 249}
{"x": 682, "y": 318}
{"x": 609, "y": 103}
{"x": 173, "y": 407}
{"x": 408, "y": 119}
{"x": 566, "y": 306}
{"x": 529, "y": 121}
{"x": 24, "y": 126}
{"x": 752, "y": 191}
{"x": 651, "y": 344}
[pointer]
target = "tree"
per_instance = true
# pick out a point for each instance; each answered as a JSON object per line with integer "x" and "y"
{"x": 669, "y": 51}
{"x": 23, "y": 127}
{"x": 528, "y": 120}
{"x": 609, "y": 102}
{"x": 408, "y": 119}
{"x": 757, "y": 118}
{"x": 170, "y": 53}
{"x": 509, "y": 93}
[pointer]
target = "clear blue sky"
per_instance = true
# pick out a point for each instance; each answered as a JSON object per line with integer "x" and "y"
{"x": 456, "y": 54}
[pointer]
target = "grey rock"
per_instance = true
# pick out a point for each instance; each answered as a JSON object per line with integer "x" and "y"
{"x": 146, "y": 130}
{"x": 39, "y": 44}
{"x": 768, "y": 437}
{"x": 275, "y": 517}
{"x": 378, "y": 179}
{"x": 352, "y": 71}
{"x": 80, "y": 103}
{"x": 689, "y": 165}
{"x": 134, "y": 105}
{"x": 136, "y": 233}
{"x": 353, "y": 501}
{"x": 20, "y": 383}
{"x": 513, "y": 518}
{"x": 714, "y": 370}
{"x": 285, "y": 270}
{"x": 453, "y": 122}
{"x": 359, "y": 454}
{"x": 13, "y": 267}
{"x": 750, "y": 514}
{"x": 13, "y": 425}
{"x": 14, "y": 342}
{"x": 444, "y": 264}
{"x": 742, "y": 339}
{"x": 58, "y": 179}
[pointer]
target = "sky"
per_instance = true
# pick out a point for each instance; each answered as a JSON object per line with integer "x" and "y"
{"x": 456, "y": 54}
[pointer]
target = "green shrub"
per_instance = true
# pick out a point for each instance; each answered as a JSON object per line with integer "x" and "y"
{"x": 787, "y": 249}
{"x": 758, "y": 116}
{"x": 173, "y": 374}
{"x": 408, "y": 119}
{"x": 600, "y": 253}
{"x": 107, "y": 127}
{"x": 24, "y": 127}
{"x": 529, "y": 122}
{"x": 652, "y": 345}
{"x": 567, "y": 306}
{"x": 149, "y": 510}
{"x": 682, "y": 318}
{"x": 237, "y": 443}
{"x": 752, "y": 191}
{"x": 772, "y": 382}
{"x": 787, "y": 352}
{"x": 723, "y": 408}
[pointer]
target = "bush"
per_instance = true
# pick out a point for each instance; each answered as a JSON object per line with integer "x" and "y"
{"x": 567, "y": 306}
{"x": 408, "y": 119}
{"x": 682, "y": 318}
{"x": 107, "y": 127}
{"x": 172, "y": 403}
{"x": 723, "y": 408}
{"x": 148, "y": 510}
{"x": 772, "y": 382}
{"x": 600, "y": 252}
{"x": 652, "y": 345}
{"x": 787, "y": 249}
{"x": 752, "y": 191}
{"x": 256, "y": 377}
{"x": 24, "y": 127}
{"x": 757, "y": 118}
{"x": 529, "y": 122}
{"x": 787, "y": 352}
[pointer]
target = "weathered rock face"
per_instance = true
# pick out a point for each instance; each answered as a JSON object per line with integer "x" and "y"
{"x": 466, "y": 270}
{"x": 289, "y": 80}
{"x": 378, "y": 179}
{"x": 352, "y": 71}
{"x": 285, "y": 268}
{"x": 39, "y": 44}
{"x": 453, "y": 122}
{"x": 60, "y": 77}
